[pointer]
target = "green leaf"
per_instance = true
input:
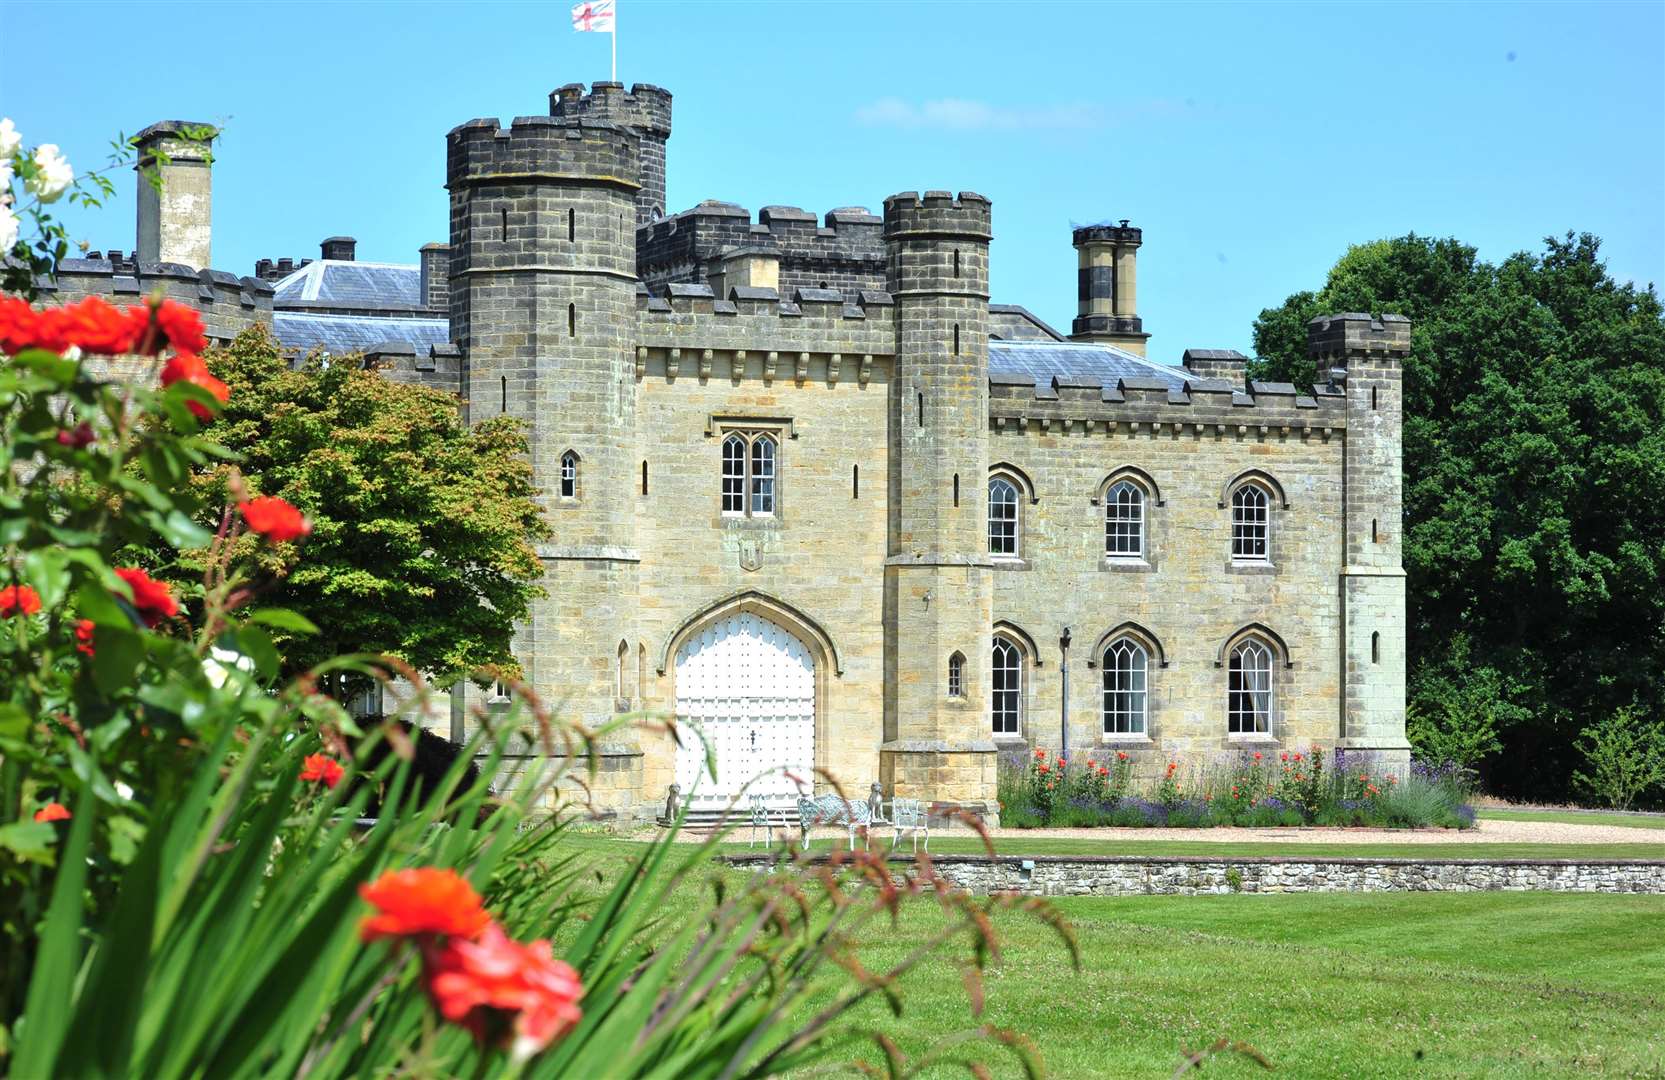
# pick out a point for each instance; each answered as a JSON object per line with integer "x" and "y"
{"x": 14, "y": 720}
{"x": 115, "y": 658}
{"x": 60, "y": 370}
{"x": 283, "y": 619}
{"x": 257, "y": 645}
{"x": 52, "y": 987}
{"x": 45, "y": 569}
{"x": 177, "y": 529}
{"x": 93, "y": 601}
{"x": 30, "y": 841}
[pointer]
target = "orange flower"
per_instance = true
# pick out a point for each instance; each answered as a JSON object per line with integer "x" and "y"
{"x": 1172, "y": 765}
{"x": 1040, "y": 753}
{"x": 91, "y": 324}
{"x": 1121, "y": 755}
{"x": 52, "y": 812}
{"x": 1102, "y": 771}
{"x": 84, "y": 637}
{"x": 19, "y": 324}
{"x": 517, "y": 997}
{"x": 1041, "y": 768}
{"x": 274, "y": 519}
{"x": 150, "y": 596}
{"x": 318, "y": 767}
{"x": 189, "y": 368}
{"x": 18, "y": 600}
{"x": 421, "y": 902}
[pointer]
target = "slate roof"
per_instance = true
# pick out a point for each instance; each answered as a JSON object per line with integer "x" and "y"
{"x": 1073, "y": 363}
{"x": 340, "y": 334}
{"x": 362, "y": 286}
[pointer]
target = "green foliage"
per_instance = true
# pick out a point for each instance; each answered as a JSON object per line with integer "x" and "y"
{"x": 423, "y": 527}
{"x": 1625, "y": 756}
{"x": 1534, "y": 539}
{"x": 1461, "y": 727}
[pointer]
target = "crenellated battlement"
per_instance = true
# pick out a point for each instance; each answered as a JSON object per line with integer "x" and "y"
{"x": 845, "y": 249}
{"x": 938, "y": 213}
{"x": 229, "y": 304}
{"x": 1018, "y": 403}
{"x": 757, "y": 321}
{"x": 1355, "y": 333}
{"x": 644, "y": 106}
{"x": 541, "y": 149}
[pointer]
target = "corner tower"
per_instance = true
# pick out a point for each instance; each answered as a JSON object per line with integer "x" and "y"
{"x": 646, "y": 112}
{"x": 938, "y": 589}
{"x": 1107, "y": 286}
{"x": 542, "y": 283}
{"x": 1364, "y": 358}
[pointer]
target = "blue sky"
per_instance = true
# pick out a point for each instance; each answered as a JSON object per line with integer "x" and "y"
{"x": 1252, "y": 143}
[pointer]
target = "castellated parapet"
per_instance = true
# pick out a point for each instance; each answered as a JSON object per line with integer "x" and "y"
{"x": 644, "y": 110}
{"x": 229, "y": 304}
{"x": 844, "y": 251}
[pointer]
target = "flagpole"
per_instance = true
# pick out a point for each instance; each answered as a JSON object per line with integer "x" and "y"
{"x": 615, "y": 37}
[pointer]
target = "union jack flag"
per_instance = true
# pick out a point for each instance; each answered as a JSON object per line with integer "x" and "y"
{"x": 593, "y": 15}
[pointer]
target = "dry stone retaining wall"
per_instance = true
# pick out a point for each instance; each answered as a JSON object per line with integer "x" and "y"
{"x": 1188, "y": 876}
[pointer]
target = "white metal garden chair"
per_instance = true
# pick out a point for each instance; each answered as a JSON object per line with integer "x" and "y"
{"x": 910, "y": 816}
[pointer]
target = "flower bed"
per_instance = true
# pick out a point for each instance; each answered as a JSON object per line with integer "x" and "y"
{"x": 1247, "y": 788}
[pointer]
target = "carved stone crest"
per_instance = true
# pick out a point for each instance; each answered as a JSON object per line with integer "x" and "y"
{"x": 751, "y": 555}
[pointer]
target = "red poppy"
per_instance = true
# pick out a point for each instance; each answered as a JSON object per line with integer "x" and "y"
{"x": 1062, "y": 763}
{"x": 421, "y": 902}
{"x": 52, "y": 812}
{"x": 1102, "y": 771}
{"x": 318, "y": 767}
{"x": 517, "y": 997}
{"x": 1042, "y": 767}
{"x": 77, "y": 438}
{"x": 1257, "y": 755}
{"x": 274, "y": 519}
{"x": 18, "y": 600}
{"x": 1040, "y": 753}
{"x": 84, "y": 637}
{"x": 1121, "y": 755}
{"x": 189, "y": 368}
{"x": 150, "y": 596}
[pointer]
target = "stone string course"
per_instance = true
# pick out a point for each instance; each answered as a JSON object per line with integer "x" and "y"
{"x": 1210, "y": 875}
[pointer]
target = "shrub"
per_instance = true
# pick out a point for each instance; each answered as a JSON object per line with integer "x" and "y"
{"x": 1625, "y": 756}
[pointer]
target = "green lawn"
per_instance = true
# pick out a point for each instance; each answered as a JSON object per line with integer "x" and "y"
{"x": 1567, "y": 817}
{"x": 1387, "y": 985}
{"x": 1378, "y": 985}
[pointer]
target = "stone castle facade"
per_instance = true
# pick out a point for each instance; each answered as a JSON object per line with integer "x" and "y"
{"x": 813, "y": 492}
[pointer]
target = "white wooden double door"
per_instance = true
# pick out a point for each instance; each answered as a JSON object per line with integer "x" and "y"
{"x": 749, "y": 686}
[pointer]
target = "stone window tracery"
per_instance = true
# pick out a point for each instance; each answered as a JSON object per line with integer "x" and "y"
{"x": 569, "y": 475}
{"x": 956, "y": 675}
{"x": 749, "y": 474}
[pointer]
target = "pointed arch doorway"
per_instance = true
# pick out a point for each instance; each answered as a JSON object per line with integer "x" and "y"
{"x": 749, "y": 684}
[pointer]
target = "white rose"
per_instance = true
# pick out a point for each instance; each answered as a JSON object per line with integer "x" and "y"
{"x": 53, "y": 173}
{"x": 220, "y": 664}
{"x": 5, "y": 180}
{"x": 8, "y": 231}
{"x": 10, "y": 140}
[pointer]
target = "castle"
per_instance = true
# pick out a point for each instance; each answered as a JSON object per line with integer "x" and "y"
{"x": 812, "y": 491}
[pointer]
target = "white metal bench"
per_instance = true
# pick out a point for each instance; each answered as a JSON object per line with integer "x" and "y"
{"x": 762, "y": 819}
{"x": 832, "y": 809}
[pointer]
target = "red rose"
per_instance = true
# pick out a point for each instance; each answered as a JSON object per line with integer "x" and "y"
{"x": 18, "y": 600}
{"x": 77, "y": 438}
{"x": 84, "y": 637}
{"x": 275, "y": 519}
{"x": 91, "y": 324}
{"x": 518, "y": 997}
{"x": 52, "y": 812}
{"x": 421, "y": 902}
{"x": 150, "y": 596}
{"x": 169, "y": 324}
{"x": 19, "y": 324}
{"x": 188, "y": 367}
{"x": 316, "y": 768}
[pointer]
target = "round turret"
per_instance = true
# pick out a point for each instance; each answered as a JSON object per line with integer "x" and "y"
{"x": 938, "y": 243}
{"x": 646, "y": 111}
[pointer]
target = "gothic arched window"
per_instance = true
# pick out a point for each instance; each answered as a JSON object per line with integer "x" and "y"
{"x": 1124, "y": 521}
{"x": 1249, "y": 689}
{"x": 1006, "y": 699}
{"x": 1003, "y": 517}
{"x": 569, "y": 475}
{"x": 1126, "y": 671}
{"x": 1250, "y": 523}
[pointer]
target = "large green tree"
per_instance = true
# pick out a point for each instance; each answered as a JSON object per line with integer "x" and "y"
{"x": 1534, "y": 473}
{"x": 423, "y": 526}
